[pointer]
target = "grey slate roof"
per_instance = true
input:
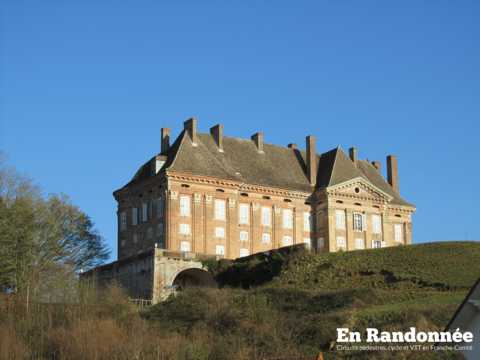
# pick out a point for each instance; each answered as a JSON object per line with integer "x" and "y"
{"x": 279, "y": 167}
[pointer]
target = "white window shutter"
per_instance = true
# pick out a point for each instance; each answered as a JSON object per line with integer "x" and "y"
{"x": 364, "y": 222}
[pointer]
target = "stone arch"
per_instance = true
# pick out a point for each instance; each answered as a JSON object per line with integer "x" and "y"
{"x": 193, "y": 277}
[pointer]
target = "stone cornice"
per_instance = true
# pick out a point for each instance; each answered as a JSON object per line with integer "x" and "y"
{"x": 236, "y": 185}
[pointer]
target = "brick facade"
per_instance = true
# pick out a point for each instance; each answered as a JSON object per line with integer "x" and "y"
{"x": 382, "y": 218}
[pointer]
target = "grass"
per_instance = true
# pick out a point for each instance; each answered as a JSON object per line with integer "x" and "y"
{"x": 283, "y": 305}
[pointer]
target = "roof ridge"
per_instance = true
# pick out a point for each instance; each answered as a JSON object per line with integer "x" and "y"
{"x": 333, "y": 165}
{"x": 174, "y": 156}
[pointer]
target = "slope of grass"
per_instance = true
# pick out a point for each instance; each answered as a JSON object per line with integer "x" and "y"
{"x": 296, "y": 300}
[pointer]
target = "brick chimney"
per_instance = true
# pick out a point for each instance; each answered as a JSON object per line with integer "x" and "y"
{"x": 164, "y": 140}
{"x": 311, "y": 160}
{"x": 392, "y": 172}
{"x": 377, "y": 165}
{"x": 258, "y": 140}
{"x": 217, "y": 134}
{"x": 190, "y": 127}
{"x": 353, "y": 152}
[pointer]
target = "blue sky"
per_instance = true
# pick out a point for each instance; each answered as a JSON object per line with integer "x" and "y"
{"x": 87, "y": 85}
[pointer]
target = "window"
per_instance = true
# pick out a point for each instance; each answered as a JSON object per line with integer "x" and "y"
{"x": 359, "y": 243}
{"x": 144, "y": 211}
{"x": 160, "y": 230}
{"x": 185, "y": 246}
{"x": 265, "y": 238}
{"x": 244, "y": 252}
{"x": 243, "y": 235}
{"x": 219, "y": 232}
{"x": 219, "y": 209}
{"x": 123, "y": 220}
{"x": 340, "y": 219}
{"x": 184, "y": 205}
{"x": 358, "y": 222}
{"x": 307, "y": 242}
{"x": 341, "y": 243}
{"x": 398, "y": 232}
{"x": 220, "y": 250}
{"x": 307, "y": 226}
{"x": 266, "y": 216}
{"x": 287, "y": 240}
{"x": 321, "y": 243}
{"x": 376, "y": 224}
{"x": 287, "y": 219}
{"x": 160, "y": 206}
{"x": 149, "y": 233}
{"x": 135, "y": 238}
{"x": 243, "y": 213}
{"x": 135, "y": 216}
{"x": 376, "y": 244}
{"x": 184, "y": 229}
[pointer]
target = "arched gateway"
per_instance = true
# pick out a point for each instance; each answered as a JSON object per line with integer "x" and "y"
{"x": 154, "y": 274}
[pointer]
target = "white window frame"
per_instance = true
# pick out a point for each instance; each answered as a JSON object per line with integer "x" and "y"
{"x": 220, "y": 250}
{"x": 287, "y": 218}
{"x": 340, "y": 220}
{"x": 341, "y": 242}
{"x": 358, "y": 221}
{"x": 266, "y": 238}
{"x": 184, "y": 205}
{"x": 220, "y": 209}
{"x": 287, "y": 240}
{"x": 244, "y": 252}
{"x": 184, "y": 229}
{"x": 320, "y": 242}
{"x": 375, "y": 242}
{"x": 123, "y": 221}
{"x": 243, "y": 214}
{"x": 185, "y": 246}
{"x": 359, "y": 243}
{"x": 160, "y": 230}
{"x": 243, "y": 235}
{"x": 398, "y": 232}
{"x": 219, "y": 232}
{"x": 308, "y": 242}
{"x": 160, "y": 207}
{"x": 144, "y": 211}
{"x": 307, "y": 222}
{"x": 376, "y": 224}
{"x": 134, "y": 216}
{"x": 266, "y": 216}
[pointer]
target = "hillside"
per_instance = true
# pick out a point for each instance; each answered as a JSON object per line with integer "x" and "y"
{"x": 288, "y": 303}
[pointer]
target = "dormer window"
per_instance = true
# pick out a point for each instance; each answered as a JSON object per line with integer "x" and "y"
{"x": 158, "y": 165}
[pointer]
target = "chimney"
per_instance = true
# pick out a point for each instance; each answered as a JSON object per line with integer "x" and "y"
{"x": 258, "y": 140}
{"x": 377, "y": 165}
{"x": 190, "y": 126}
{"x": 164, "y": 140}
{"x": 292, "y": 146}
{"x": 217, "y": 133}
{"x": 311, "y": 160}
{"x": 392, "y": 172}
{"x": 353, "y": 154}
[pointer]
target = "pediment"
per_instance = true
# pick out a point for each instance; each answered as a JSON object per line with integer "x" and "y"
{"x": 359, "y": 188}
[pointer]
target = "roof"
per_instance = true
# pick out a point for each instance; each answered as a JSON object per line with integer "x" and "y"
{"x": 277, "y": 166}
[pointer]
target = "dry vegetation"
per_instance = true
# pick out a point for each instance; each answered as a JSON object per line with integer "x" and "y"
{"x": 280, "y": 306}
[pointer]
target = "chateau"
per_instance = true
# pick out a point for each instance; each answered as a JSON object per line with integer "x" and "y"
{"x": 210, "y": 195}
{"x": 231, "y": 197}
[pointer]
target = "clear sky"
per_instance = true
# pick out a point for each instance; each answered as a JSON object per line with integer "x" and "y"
{"x": 87, "y": 85}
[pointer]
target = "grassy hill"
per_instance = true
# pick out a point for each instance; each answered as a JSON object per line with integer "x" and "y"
{"x": 289, "y": 303}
